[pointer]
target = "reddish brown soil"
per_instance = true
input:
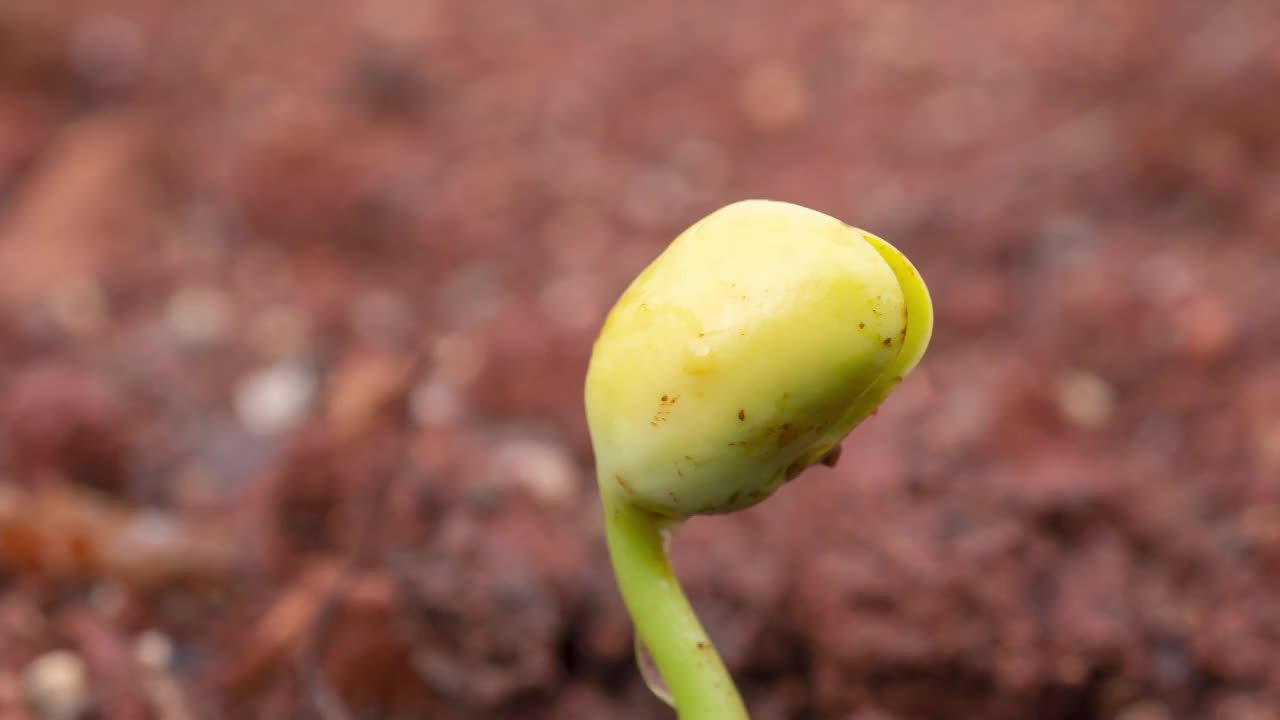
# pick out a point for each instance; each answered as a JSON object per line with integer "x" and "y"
{"x": 297, "y": 300}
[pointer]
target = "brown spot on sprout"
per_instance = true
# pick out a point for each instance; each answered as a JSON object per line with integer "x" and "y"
{"x": 832, "y": 456}
{"x": 787, "y": 434}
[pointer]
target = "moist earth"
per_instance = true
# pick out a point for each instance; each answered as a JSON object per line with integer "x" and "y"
{"x": 297, "y": 301}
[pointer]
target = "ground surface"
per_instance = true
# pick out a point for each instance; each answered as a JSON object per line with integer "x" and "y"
{"x": 297, "y": 299}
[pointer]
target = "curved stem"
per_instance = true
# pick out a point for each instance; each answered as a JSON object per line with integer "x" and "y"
{"x": 664, "y": 621}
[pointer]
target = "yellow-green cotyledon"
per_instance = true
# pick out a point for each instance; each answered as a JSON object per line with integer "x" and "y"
{"x": 743, "y": 354}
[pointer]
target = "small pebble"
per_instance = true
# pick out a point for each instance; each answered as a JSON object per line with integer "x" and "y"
{"x": 545, "y": 470}
{"x": 274, "y": 398}
{"x": 434, "y": 403}
{"x": 197, "y": 315}
{"x": 57, "y": 686}
{"x": 79, "y": 306}
{"x": 108, "y": 51}
{"x": 1144, "y": 710}
{"x": 1085, "y": 399}
{"x": 774, "y": 96}
{"x": 365, "y": 387}
{"x": 154, "y": 650}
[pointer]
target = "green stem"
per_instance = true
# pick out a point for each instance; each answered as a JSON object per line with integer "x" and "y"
{"x": 665, "y": 622}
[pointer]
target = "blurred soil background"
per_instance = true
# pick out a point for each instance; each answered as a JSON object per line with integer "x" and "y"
{"x": 297, "y": 300}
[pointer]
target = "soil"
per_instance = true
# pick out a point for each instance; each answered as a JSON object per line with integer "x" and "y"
{"x": 298, "y": 299}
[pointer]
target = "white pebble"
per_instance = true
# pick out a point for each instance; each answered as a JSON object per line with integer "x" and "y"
{"x": 153, "y": 649}
{"x": 274, "y": 398}
{"x": 545, "y": 470}
{"x": 57, "y": 686}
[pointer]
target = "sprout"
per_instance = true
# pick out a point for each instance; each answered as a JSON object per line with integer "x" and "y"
{"x": 742, "y": 355}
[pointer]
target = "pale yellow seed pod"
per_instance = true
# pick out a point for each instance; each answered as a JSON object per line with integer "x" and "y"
{"x": 746, "y": 352}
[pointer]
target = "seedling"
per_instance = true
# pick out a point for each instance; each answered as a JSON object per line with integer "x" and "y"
{"x": 741, "y": 356}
